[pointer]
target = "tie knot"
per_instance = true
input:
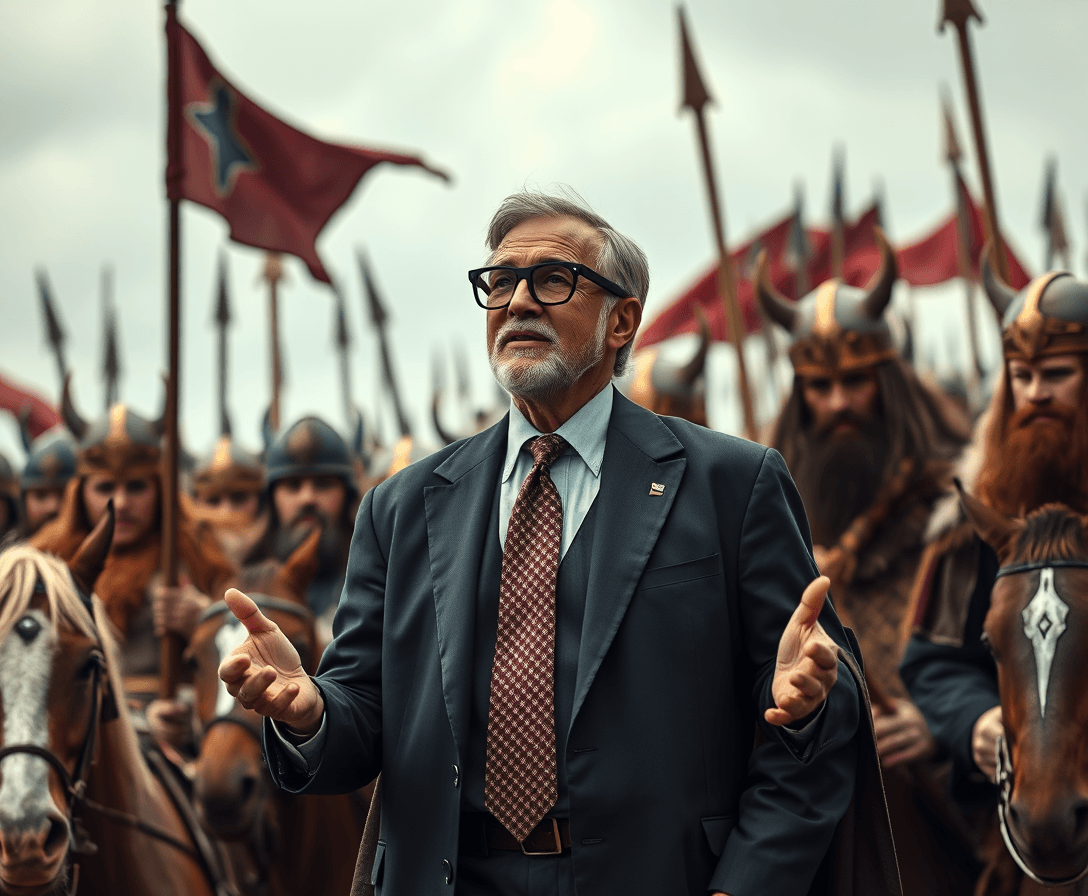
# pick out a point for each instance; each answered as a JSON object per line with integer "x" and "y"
{"x": 547, "y": 448}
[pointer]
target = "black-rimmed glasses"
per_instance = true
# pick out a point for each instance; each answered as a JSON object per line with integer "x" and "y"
{"x": 550, "y": 283}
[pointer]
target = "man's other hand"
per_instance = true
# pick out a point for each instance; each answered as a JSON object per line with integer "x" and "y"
{"x": 984, "y": 736}
{"x": 808, "y": 660}
{"x": 902, "y": 734}
{"x": 265, "y": 672}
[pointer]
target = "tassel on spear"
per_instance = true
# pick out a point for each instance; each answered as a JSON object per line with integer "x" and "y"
{"x": 696, "y": 96}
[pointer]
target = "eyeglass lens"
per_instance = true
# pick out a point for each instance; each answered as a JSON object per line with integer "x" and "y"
{"x": 551, "y": 284}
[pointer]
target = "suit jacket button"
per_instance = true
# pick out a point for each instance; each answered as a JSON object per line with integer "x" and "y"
{"x": 448, "y": 868}
{"x": 456, "y": 776}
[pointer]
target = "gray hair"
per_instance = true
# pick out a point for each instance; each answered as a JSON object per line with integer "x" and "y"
{"x": 619, "y": 258}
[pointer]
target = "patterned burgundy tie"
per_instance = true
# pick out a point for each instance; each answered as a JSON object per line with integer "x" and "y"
{"x": 519, "y": 776}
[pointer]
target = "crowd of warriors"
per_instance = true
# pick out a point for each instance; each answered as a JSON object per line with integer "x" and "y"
{"x": 873, "y": 451}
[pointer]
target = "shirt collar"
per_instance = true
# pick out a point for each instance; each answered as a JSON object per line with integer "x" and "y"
{"x": 585, "y": 432}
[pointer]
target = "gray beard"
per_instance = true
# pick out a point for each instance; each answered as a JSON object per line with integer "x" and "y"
{"x": 557, "y": 372}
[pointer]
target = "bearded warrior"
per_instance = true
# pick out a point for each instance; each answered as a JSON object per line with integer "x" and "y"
{"x": 227, "y": 491}
{"x": 118, "y": 459}
{"x": 311, "y": 482}
{"x": 871, "y": 450}
{"x": 50, "y": 465}
{"x": 1033, "y": 451}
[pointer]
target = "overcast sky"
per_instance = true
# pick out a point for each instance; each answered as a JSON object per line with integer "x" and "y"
{"x": 582, "y": 92}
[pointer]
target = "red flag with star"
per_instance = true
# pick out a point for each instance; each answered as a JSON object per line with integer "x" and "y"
{"x": 276, "y": 186}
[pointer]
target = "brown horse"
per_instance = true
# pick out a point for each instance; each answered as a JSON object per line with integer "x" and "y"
{"x": 79, "y": 805}
{"x": 279, "y": 843}
{"x": 1037, "y": 630}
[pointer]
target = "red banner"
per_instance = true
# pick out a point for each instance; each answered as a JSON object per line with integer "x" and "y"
{"x": 14, "y": 399}
{"x": 276, "y": 186}
{"x": 929, "y": 261}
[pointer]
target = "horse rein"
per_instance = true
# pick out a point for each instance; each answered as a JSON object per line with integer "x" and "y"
{"x": 1004, "y": 779}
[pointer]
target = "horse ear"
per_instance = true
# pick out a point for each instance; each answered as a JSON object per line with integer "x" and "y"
{"x": 303, "y": 564}
{"x": 87, "y": 563}
{"x": 996, "y": 529}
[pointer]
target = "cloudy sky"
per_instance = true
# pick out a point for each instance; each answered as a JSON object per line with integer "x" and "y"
{"x": 582, "y": 92}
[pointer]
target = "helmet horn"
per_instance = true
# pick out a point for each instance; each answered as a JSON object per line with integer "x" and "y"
{"x": 75, "y": 423}
{"x": 775, "y": 305}
{"x": 691, "y": 371}
{"x": 879, "y": 288}
{"x": 1000, "y": 293}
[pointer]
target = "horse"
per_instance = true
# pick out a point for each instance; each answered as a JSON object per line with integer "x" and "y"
{"x": 279, "y": 843}
{"x": 1037, "y": 631}
{"x": 81, "y": 810}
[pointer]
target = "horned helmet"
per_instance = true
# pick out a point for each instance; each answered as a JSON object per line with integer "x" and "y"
{"x": 677, "y": 390}
{"x": 1049, "y": 316}
{"x": 9, "y": 491}
{"x": 123, "y": 443}
{"x": 836, "y": 328}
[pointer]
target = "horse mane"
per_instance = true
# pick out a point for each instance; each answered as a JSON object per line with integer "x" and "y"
{"x": 1053, "y": 532}
{"x": 21, "y": 568}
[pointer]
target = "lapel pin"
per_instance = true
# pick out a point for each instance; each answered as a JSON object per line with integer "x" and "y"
{"x": 656, "y": 489}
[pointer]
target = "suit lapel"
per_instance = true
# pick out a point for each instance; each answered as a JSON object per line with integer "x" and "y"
{"x": 640, "y": 451}
{"x": 457, "y": 518}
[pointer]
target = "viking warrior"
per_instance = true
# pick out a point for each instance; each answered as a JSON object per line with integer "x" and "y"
{"x": 50, "y": 465}
{"x": 9, "y": 498}
{"x": 227, "y": 490}
{"x": 310, "y": 481}
{"x": 871, "y": 450}
{"x": 118, "y": 459}
{"x": 675, "y": 390}
{"x": 1033, "y": 451}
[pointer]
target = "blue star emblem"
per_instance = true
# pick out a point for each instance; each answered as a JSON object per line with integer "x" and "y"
{"x": 215, "y": 121}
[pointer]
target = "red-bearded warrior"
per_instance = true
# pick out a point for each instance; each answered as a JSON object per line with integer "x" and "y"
{"x": 227, "y": 493}
{"x": 1033, "y": 451}
{"x": 119, "y": 459}
{"x": 871, "y": 450}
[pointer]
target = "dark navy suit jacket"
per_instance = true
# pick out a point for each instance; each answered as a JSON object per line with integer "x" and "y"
{"x": 688, "y": 594}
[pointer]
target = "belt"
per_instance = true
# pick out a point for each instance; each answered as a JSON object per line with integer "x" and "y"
{"x": 481, "y": 832}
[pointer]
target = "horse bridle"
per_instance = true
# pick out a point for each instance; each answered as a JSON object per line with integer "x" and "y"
{"x": 103, "y": 708}
{"x": 1004, "y": 779}
{"x": 259, "y": 842}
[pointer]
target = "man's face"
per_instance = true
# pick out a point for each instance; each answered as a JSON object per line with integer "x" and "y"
{"x": 230, "y": 507}
{"x": 135, "y": 503}
{"x": 841, "y": 402}
{"x": 539, "y": 349}
{"x": 41, "y": 505}
{"x": 1056, "y": 380}
{"x": 302, "y": 501}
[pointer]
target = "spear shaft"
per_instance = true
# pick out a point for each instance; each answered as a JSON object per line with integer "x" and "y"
{"x": 273, "y": 273}
{"x": 958, "y": 12}
{"x": 222, "y": 321}
{"x": 378, "y": 316}
{"x": 54, "y": 332}
{"x": 696, "y": 97}
{"x": 343, "y": 343}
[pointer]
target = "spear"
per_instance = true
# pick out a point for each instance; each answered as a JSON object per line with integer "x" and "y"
{"x": 953, "y": 154}
{"x": 379, "y": 318}
{"x": 696, "y": 96}
{"x": 798, "y": 246}
{"x": 54, "y": 333}
{"x": 958, "y": 12}
{"x": 222, "y": 321}
{"x": 111, "y": 364}
{"x": 838, "y": 223}
{"x": 272, "y": 274}
{"x": 342, "y": 338}
{"x": 1054, "y": 219}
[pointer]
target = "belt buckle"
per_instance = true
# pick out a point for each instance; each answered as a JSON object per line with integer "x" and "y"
{"x": 558, "y": 850}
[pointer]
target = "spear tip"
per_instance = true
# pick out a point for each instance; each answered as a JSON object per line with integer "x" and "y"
{"x": 273, "y": 267}
{"x": 696, "y": 94}
{"x": 222, "y": 300}
{"x": 958, "y": 12}
{"x": 952, "y": 150}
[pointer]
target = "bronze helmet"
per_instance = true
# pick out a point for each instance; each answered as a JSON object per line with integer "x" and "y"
{"x": 229, "y": 468}
{"x": 836, "y": 327}
{"x": 121, "y": 443}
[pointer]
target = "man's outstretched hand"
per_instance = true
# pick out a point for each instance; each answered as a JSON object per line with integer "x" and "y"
{"x": 265, "y": 672}
{"x": 808, "y": 660}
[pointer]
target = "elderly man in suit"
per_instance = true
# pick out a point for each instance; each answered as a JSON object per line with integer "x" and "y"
{"x": 587, "y": 648}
